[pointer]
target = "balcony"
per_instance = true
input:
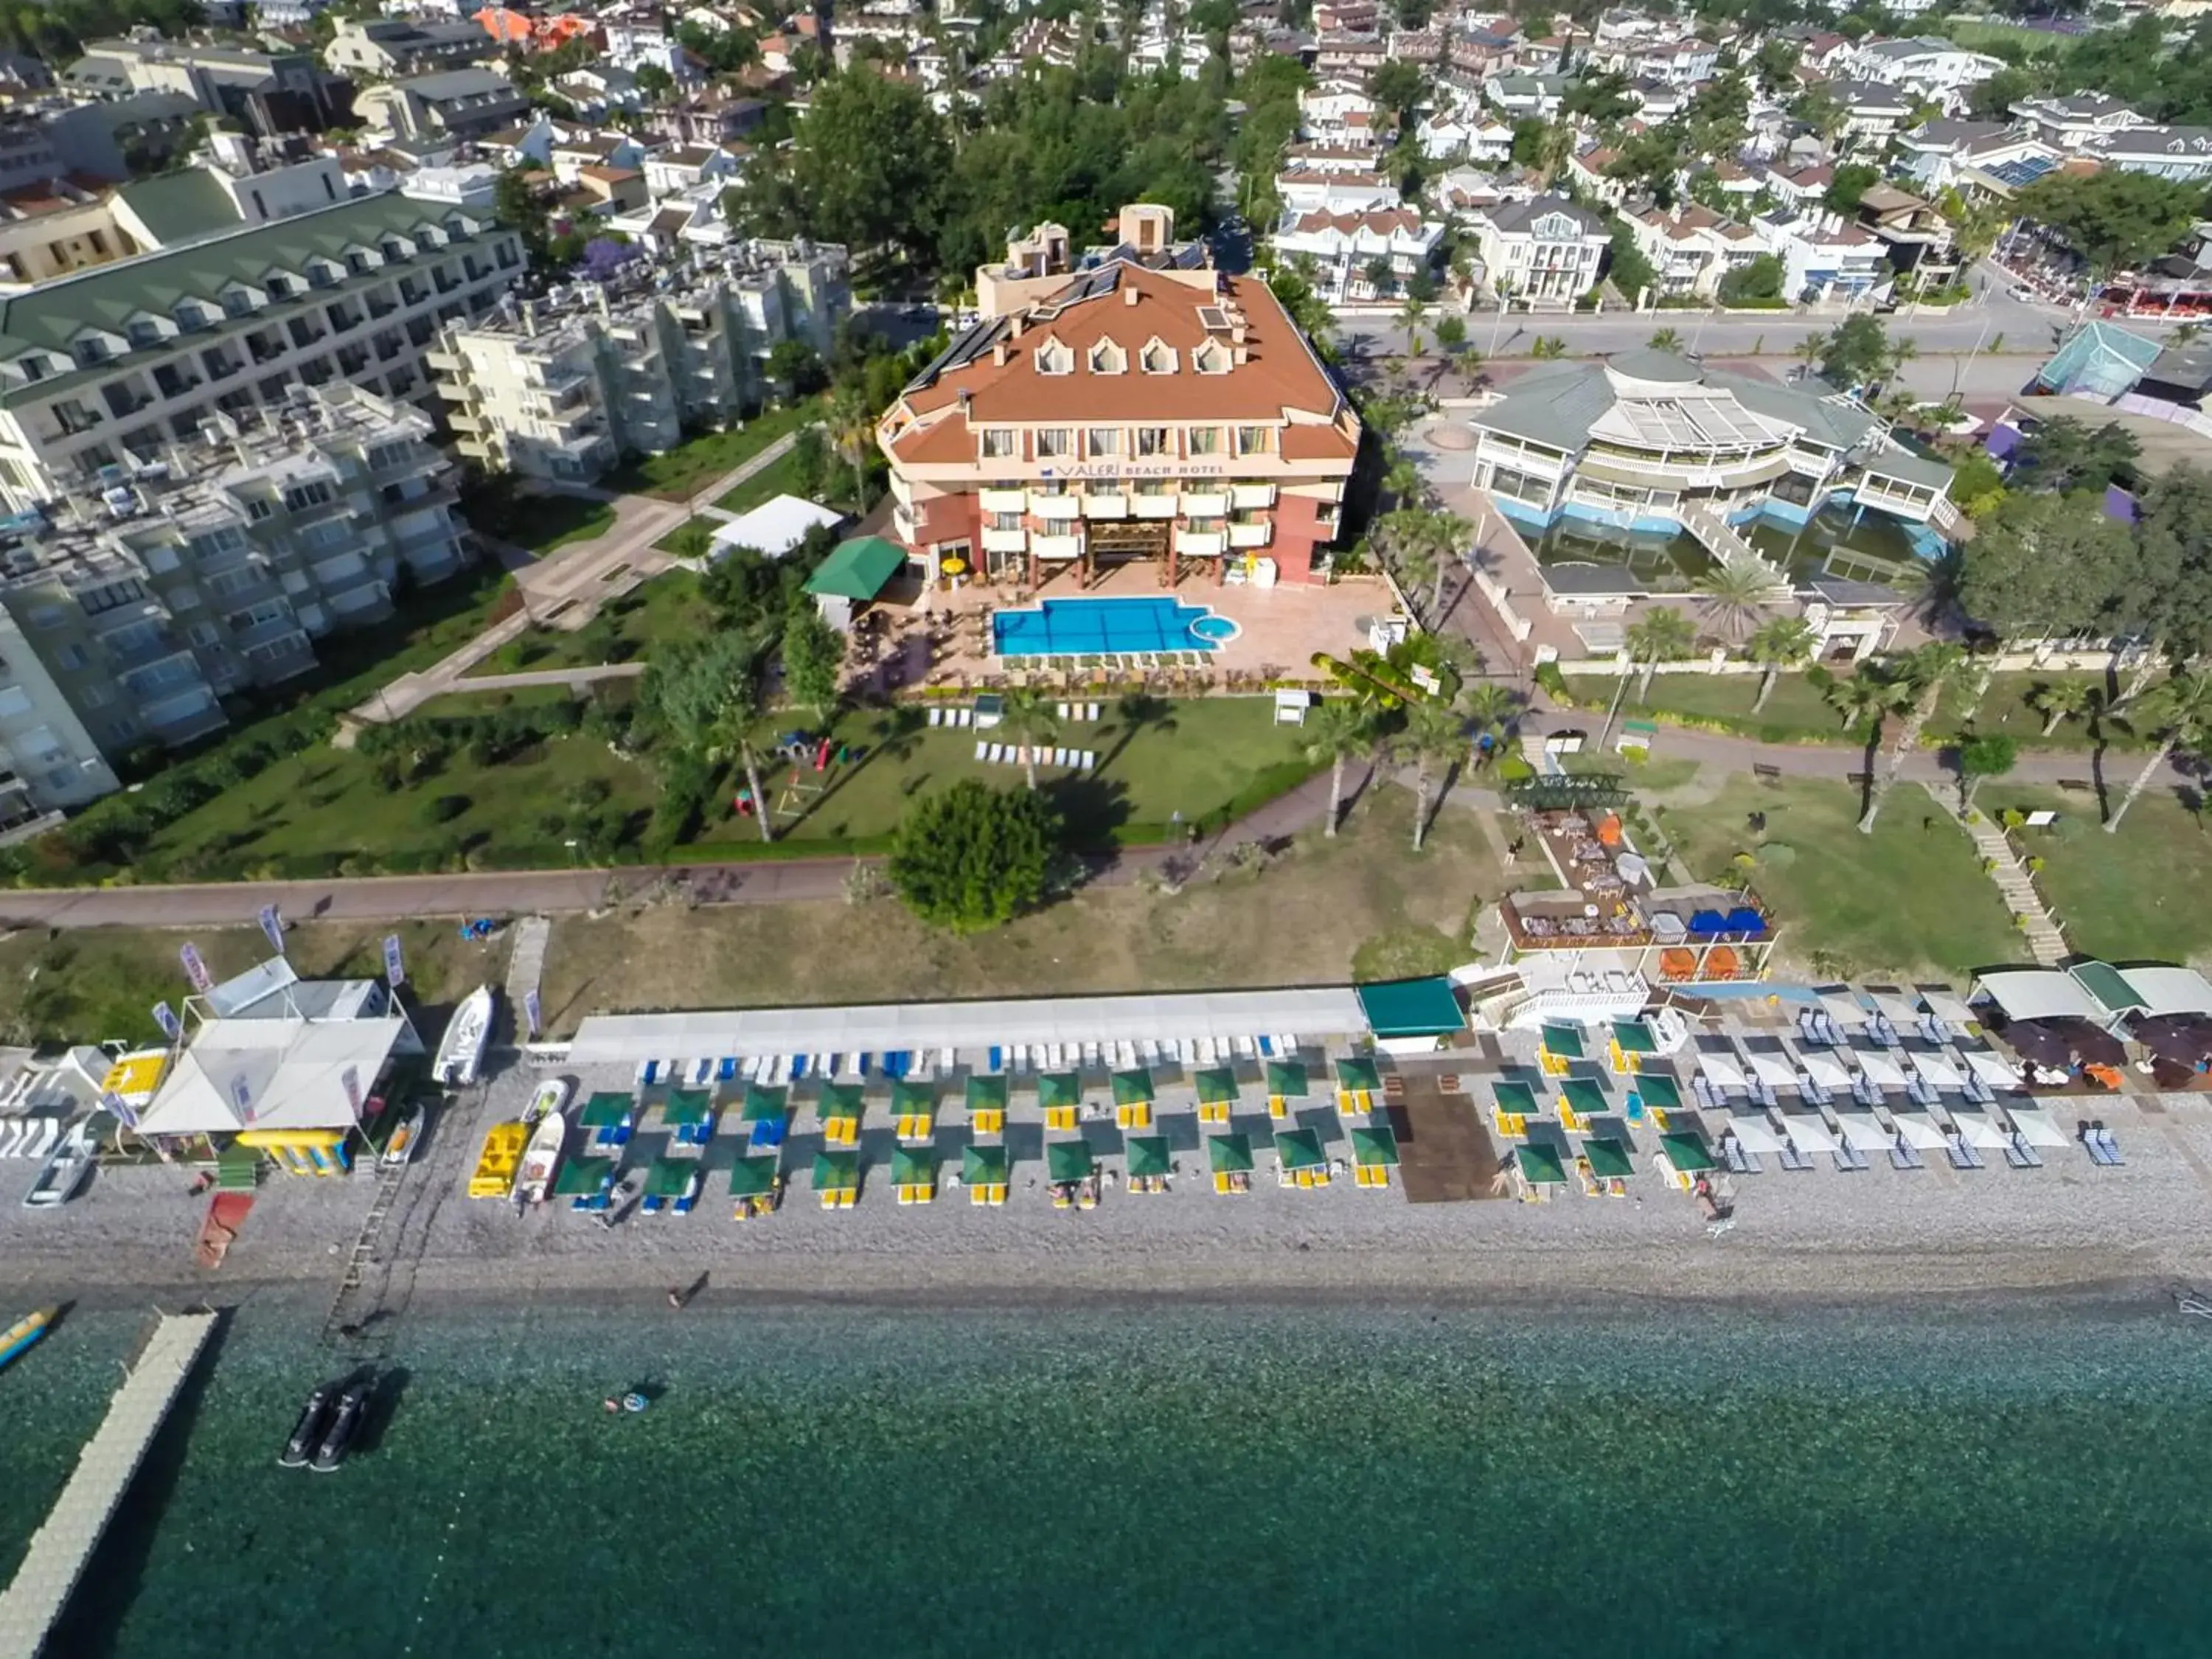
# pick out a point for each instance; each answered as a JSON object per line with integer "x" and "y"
{"x": 1061, "y": 548}
{"x": 1251, "y": 535}
{"x": 1152, "y": 507}
{"x": 1006, "y": 541}
{"x": 1211, "y": 504}
{"x": 1111, "y": 504}
{"x": 1200, "y": 544}
{"x": 1251, "y": 498}
{"x": 1003, "y": 500}
{"x": 1057, "y": 509}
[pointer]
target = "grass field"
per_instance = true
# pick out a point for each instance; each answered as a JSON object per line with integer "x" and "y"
{"x": 1305, "y": 919}
{"x": 542, "y": 523}
{"x": 680, "y": 474}
{"x": 2140, "y": 892}
{"x": 666, "y": 607}
{"x": 1910, "y": 900}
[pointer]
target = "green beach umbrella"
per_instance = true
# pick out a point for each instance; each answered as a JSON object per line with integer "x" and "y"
{"x": 1658, "y": 1092}
{"x": 1228, "y": 1154}
{"x": 1300, "y": 1149}
{"x": 1635, "y": 1037}
{"x": 1069, "y": 1160}
{"x": 1541, "y": 1166}
{"x": 841, "y": 1100}
{"x": 606, "y": 1108}
{"x": 911, "y": 1098}
{"x": 984, "y": 1166}
{"x": 987, "y": 1093}
{"x": 579, "y": 1176}
{"x": 1056, "y": 1089}
{"x": 1217, "y": 1085}
{"x": 1374, "y": 1146}
{"x": 1355, "y": 1076}
{"x": 668, "y": 1176}
{"x": 835, "y": 1172}
{"x": 1608, "y": 1158}
{"x": 912, "y": 1166}
{"x": 1133, "y": 1087}
{"x": 1287, "y": 1077}
{"x": 1686, "y": 1152}
{"x": 686, "y": 1107}
{"x": 1564, "y": 1041}
{"x": 752, "y": 1177}
{"x": 1584, "y": 1096}
{"x": 765, "y": 1104}
{"x": 1148, "y": 1156}
{"x": 1515, "y": 1099}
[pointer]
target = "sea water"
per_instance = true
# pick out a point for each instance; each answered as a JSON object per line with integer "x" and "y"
{"x": 1650, "y": 1479}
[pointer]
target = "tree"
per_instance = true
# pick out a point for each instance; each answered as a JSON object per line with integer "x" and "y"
{"x": 1398, "y": 87}
{"x": 1758, "y": 278}
{"x": 795, "y": 367}
{"x": 1548, "y": 347}
{"x": 1820, "y": 112}
{"x": 2181, "y": 711}
{"x": 2066, "y": 455}
{"x": 1600, "y": 100}
{"x": 1864, "y": 698}
{"x": 1733, "y": 596}
{"x": 813, "y": 652}
{"x": 730, "y": 739}
{"x": 1451, "y": 334}
{"x": 1856, "y": 352}
{"x": 1030, "y": 722}
{"x": 1625, "y": 267}
{"x": 972, "y": 856}
{"x": 1334, "y": 735}
{"x": 853, "y": 428}
{"x": 515, "y": 205}
{"x": 1780, "y": 643}
{"x": 1923, "y": 674}
{"x": 2170, "y": 597}
{"x": 2045, "y": 567}
{"x": 2115, "y": 220}
{"x": 1989, "y": 755}
{"x": 2061, "y": 700}
{"x": 1849, "y": 187}
{"x": 1490, "y": 708}
{"x": 1434, "y": 736}
{"x": 810, "y": 462}
{"x": 1992, "y": 100}
{"x": 1665, "y": 339}
{"x": 1775, "y": 64}
{"x": 867, "y": 167}
{"x": 658, "y": 85}
{"x": 1411, "y": 315}
{"x": 1661, "y": 633}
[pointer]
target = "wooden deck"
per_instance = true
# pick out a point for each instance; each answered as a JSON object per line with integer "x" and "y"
{"x": 1444, "y": 1150}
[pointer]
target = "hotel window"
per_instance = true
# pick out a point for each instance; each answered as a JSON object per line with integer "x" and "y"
{"x": 1205, "y": 440}
{"x": 1055, "y": 443}
{"x": 1107, "y": 358}
{"x": 999, "y": 444}
{"x": 1004, "y": 521}
{"x": 1205, "y": 525}
{"x": 1154, "y": 440}
{"x": 1156, "y": 359}
{"x": 1054, "y": 358}
{"x": 1254, "y": 440}
{"x": 1104, "y": 440}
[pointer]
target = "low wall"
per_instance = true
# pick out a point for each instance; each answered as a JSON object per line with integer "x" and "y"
{"x": 2005, "y": 662}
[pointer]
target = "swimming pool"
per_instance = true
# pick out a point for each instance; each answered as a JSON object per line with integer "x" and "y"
{"x": 1098, "y": 628}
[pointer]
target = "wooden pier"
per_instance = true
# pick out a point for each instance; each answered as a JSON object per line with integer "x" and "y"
{"x": 63, "y": 1546}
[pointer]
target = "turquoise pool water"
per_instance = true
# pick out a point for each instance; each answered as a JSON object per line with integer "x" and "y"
{"x": 1092, "y": 628}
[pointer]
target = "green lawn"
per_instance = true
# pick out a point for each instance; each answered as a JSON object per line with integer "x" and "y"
{"x": 1202, "y": 759}
{"x": 2137, "y": 893}
{"x": 542, "y": 523}
{"x": 679, "y": 474}
{"x": 779, "y": 477}
{"x": 1975, "y": 34}
{"x": 1909, "y": 900}
{"x": 668, "y": 607}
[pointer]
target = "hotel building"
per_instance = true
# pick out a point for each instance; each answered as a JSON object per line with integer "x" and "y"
{"x": 1147, "y": 407}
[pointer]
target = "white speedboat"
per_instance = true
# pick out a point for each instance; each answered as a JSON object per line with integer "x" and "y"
{"x": 540, "y": 1160}
{"x": 400, "y": 1149}
{"x": 461, "y": 1050}
{"x": 552, "y": 1097}
{"x": 65, "y": 1168}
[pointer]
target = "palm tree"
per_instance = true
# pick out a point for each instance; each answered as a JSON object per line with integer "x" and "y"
{"x": 1922, "y": 676}
{"x": 1547, "y": 347}
{"x": 1734, "y": 597}
{"x": 1866, "y": 696}
{"x": 1406, "y": 484}
{"x": 1785, "y": 642}
{"x": 2181, "y": 711}
{"x": 1433, "y": 735}
{"x": 852, "y": 425}
{"x": 730, "y": 738}
{"x": 1029, "y": 720}
{"x": 1807, "y": 351}
{"x": 1448, "y": 534}
{"x": 1411, "y": 316}
{"x": 1337, "y": 734}
{"x": 1666, "y": 340}
{"x": 1901, "y": 352}
{"x": 1490, "y": 709}
{"x": 1661, "y": 633}
{"x": 2061, "y": 700}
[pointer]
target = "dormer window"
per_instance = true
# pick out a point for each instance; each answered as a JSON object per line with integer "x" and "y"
{"x": 143, "y": 331}
{"x": 393, "y": 249}
{"x": 279, "y": 286}
{"x": 1156, "y": 359}
{"x": 1055, "y": 358}
{"x": 1107, "y": 358}
{"x": 1212, "y": 358}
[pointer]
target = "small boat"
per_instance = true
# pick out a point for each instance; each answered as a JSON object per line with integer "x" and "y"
{"x": 65, "y": 1168}
{"x": 337, "y": 1439}
{"x": 552, "y": 1096}
{"x": 24, "y": 1331}
{"x": 499, "y": 1160}
{"x": 307, "y": 1432}
{"x": 461, "y": 1050}
{"x": 540, "y": 1160}
{"x": 400, "y": 1149}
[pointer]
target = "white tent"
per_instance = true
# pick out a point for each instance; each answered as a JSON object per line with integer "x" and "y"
{"x": 2170, "y": 990}
{"x": 1755, "y": 1133}
{"x": 2038, "y": 993}
{"x": 1807, "y": 1130}
{"x": 1823, "y": 1066}
{"x": 2035, "y": 1126}
{"x": 252, "y": 1073}
{"x": 1718, "y": 1060}
{"x": 1992, "y": 1068}
{"x": 1881, "y": 1067}
{"x": 776, "y": 527}
{"x": 1918, "y": 1129}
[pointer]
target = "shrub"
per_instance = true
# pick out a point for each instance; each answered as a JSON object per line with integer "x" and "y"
{"x": 444, "y": 809}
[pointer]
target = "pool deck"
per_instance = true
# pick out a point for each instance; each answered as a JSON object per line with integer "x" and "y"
{"x": 944, "y": 638}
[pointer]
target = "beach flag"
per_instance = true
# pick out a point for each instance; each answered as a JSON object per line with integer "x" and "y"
{"x": 395, "y": 970}
{"x": 166, "y": 1017}
{"x": 534, "y": 1011}
{"x": 351, "y": 1077}
{"x": 273, "y": 925}
{"x": 119, "y": 1108}
{"x": 195, "y": 969}
{"x": 242, "y": 1096}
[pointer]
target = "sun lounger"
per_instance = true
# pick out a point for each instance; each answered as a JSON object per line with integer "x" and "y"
{"x": 727, "y": 1070}
{"x": 12, "y": 1133}
{"x": 1062, "y": 710}
{"x": 1242, "y": 1047}
{"x": 1090, "y": 759}
{"x": 937, "y": 717}
{"x": 983, "y": 747}
{"x": 649, "y": 1071}
{"x": 702, "y": 1072}
{"x": 1090, "y": 711}
{"x": 996, "y": 1059}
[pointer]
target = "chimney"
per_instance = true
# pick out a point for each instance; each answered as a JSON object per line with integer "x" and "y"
{"x": 530, "y": 318}
{"x": 1129, "y": 294}
{"x": 1242, "y": 354}
{"x": 998, "y": 355}
{"x": 1018, "y": 321}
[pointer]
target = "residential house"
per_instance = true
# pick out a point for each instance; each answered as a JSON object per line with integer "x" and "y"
{"x": 1691, "y": 247}
{"x": 1527, "y": 96}
{"x": 393, "y": 49}
{"x": 599, "y": 90}
{"x": 576, "y": 149}
{"x": 676, "y": 168}
{"x": 1935, "y": 70}
{"x": 1801, "y": 186}
{"x": 1874, "y": 112}
{"x": 1334, "y": 193}
{"x": 1361, "y": 258}
{"x": 1547, "y": 251}
{"x": 1469, "y": 132}
{"x": 267, "y": 92}
{"x": 1825, "y": 258}
{"x": 2076, "y": 122}
{"x": 1933, "y": 151}
{"x": 1917, "y": 236}
{"x": 456, "y": 104}
{"x": 2183, "y": 155}
{"x": 1337, "y": 113}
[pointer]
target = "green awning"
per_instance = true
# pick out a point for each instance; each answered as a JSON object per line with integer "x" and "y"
{"x": 1658, "y": 1091}
{"x": 1686, "y": 1152}
{"x": 987, "y": 1093}
{"x": 765, "y": 1105}
{"x": 1358, "y": 1074}
{"x": 1515, "y": 1099}
{"x": 1132, "y": 1088}
{"x": 685, "y": 1107}
{"x": 1217, "y": 1086}
{"x": 606, "y": 1108}
{"x": 1634, "y": 1037}
{"x": 1609, "y": 1160}
{"x": 984, "y": 1166}
{"x": 1541, "y": 1166}
{"x": 1287, "y": 1077}
{"x": 841, "y": 1100}
{"x": 1300, "y": 1149}
{"x": 669, "y": 1176}
{"x": 1372, "y": 1146}
{"x": 1565, "y": 1040}
{"x": 1069, "y": 1160}
{"x": 1584, "y": 1097}
{"x": 1057, "y": 1089}
{"x": 858, "y": 570}
{"x": 580, "y": 1176}
{"x": 913, "y": 1166}
{"x": 752, "y": 1177}
{"x": 911, "y": 1096}
{"x": 2108, "y": 985}
{"x": 1412, "y": 1008}
{"x": 835, "y": 1171}
{"x": 1228, "y": 1154}
{"x": 1148, "y": 1155}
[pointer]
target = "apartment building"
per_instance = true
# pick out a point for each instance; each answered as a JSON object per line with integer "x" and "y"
{"x": 1545, "y": 250}
{"x": 1363, "y": 257}
{"x": 393, "y": 47}
{"x": 1136, "y": 414}
{"x": 2077, "y": 121}
{"x": 114, "y": 363}
{"x": 1938, "y": 70}
{"x": 267, "y": 92}
{"x": 564, "y": 387}
{"x": 453, "y": 104}
{"x": 138, "y": 601}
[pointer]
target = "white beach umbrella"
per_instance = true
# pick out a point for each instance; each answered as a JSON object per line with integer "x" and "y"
{"x": 1754, "y": 1132}
{"x": 1807, "y": 1130}
{"x": 1936, "y": 1067}
{"x": 1775, "y": 1067}
{"x": 1992, "y": 1068}
{"x": 1824, "y": 1067}
{"x": 1718, "y": 1060}
{"x": 1918, "y": 1129}
{"x": 2035, "y": 1126}
{"x": 1845, "y": 1009}
{"x": 1879, "y": 1067}
{"x": 1979, "y": 1130}
{"x": 1860, "y": 1129}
